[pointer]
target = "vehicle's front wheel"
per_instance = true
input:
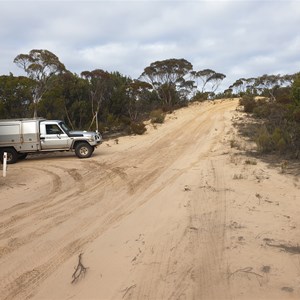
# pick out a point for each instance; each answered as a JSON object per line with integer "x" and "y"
{"x": 12, "y": 155}
{"x": 83, "y": 150}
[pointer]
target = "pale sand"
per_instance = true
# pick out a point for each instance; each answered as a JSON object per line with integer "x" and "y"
{"x": 173, "y": 214}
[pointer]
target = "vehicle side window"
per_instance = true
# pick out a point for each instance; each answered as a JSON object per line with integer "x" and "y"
{"x": 53, "y": 129}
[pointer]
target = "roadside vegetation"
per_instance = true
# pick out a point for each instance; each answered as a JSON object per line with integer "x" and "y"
{"x": 107, "y": 101}
{"x": 277, "y": 114}
{"x": 116, "y": 104}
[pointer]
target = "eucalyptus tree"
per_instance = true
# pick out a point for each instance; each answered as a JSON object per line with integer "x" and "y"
{"x": 137, "y": 92}
{"x": 268, "y": 84}
{"x": 67, "y": 98}
{"x": 99, "y": 81}
{"x": 40, "y": 66}
{"x": 245, "y": 85}
{"x": 74, "y": 92}
{"x": 202, "y": 78}
{"x": 216, "y": 80}
{"x": 228, "y": 93}
{"x": 15, "y": 96}
{"x": 296, "y": 92}
{"x": 206, "y": 77}
{"x": 287, "y": 79}
{"x": 250, "y": 86}
{"x": 170, "y": 79}
{"x": 239, "y": 86}
{"x": 117, "y": 102}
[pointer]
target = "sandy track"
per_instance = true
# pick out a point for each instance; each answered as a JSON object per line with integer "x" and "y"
{"x": 150, "y": 215}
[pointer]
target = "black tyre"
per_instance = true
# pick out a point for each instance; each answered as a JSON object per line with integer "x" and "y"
{"x": 84, "y": 150}
{"x": 12, "y": 155}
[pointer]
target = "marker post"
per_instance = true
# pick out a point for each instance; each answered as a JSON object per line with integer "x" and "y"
{"x": 4, "y": 163}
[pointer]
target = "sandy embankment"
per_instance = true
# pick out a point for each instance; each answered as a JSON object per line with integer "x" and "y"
{"x": 173, "y": 214}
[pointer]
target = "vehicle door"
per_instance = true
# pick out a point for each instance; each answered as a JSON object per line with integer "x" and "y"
{"x": 53, "y": 137}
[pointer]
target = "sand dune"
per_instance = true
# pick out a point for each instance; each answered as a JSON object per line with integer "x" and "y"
{"x": 173, "y": 214}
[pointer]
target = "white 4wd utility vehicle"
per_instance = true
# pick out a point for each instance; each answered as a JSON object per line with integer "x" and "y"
{"x": 18, "y": 137}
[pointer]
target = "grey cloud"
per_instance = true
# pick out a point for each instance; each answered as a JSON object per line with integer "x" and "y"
{"x": 237, "y": 38}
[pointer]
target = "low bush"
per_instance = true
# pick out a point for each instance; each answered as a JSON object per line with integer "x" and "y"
{"x": 157, "y": 116}
{"x": 137, "y": 128}
{"x": 249, "y": 103}
{"x": 296, "y": 114}
{"x": 250, "y": 162}
{"x": 264, "y": 140}
{"x": 200, "y": 96}
{"x": 275, "y": 140}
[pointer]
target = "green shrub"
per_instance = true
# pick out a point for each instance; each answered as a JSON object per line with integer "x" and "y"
{"x": 157, "y": 116}
{"x": 281, "y": 145}
{"x": 137, "y": 128}
{"x": 296, "y": 114}
{"x": 250, "y": 162}
{"x": 283, "y": 95}
{"x": 271, "y": 141}
{"x": 296, "y": 89}
{"x": 281, "y": 119}
{"x": 264, "y": 141}
{"x": 248, "y": 102}
{"x": 200, "y": 96}
{"x": 262, "y": 110}
{"x": 279, "y": 140}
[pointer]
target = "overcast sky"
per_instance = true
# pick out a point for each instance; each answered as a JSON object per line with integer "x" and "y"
{"x": 238, "y": 38}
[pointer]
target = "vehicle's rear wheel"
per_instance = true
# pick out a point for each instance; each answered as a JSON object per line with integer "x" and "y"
{"x": 83, "y": 150}
{"x": 12, "y": 155}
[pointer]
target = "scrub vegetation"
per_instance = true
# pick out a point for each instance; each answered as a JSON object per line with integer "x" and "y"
{"x": 278, "y": 113}
{"x": 116, "y": 104}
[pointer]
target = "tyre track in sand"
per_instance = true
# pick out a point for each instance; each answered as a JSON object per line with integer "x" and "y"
{"x": 78, "y": 203}
{"x": 161, "y": 272}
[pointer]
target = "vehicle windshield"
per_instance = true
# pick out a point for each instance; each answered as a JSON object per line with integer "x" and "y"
{"x": 64, "y": 127}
